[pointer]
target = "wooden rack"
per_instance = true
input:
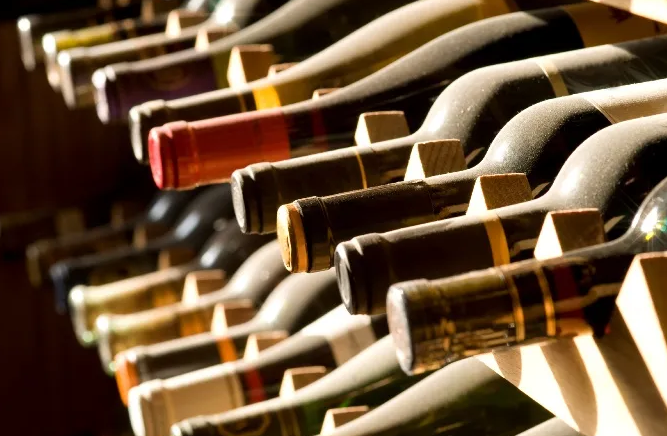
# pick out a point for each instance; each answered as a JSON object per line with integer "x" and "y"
{"x": 653, "y": 9}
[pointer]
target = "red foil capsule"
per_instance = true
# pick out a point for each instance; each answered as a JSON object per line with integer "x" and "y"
{"x": 187, "y": 154}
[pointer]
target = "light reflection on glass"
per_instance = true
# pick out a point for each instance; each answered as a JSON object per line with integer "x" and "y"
{"x": 24, "y": 25}
{"x": 210, "y": 255}
{"x": 225, "y": 14}
{"x": 501, "y": 152}
{"x": 187, "y": 225}
{"x": 158, "y": 210}
{"x": 438, "y": 121}
{"x": 571, "y": 182}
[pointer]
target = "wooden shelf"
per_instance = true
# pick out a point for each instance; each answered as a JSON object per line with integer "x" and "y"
{"x": 612, "y": 386}
{"x": 653, "y": 9}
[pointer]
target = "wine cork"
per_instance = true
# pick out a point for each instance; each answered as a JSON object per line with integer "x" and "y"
{"x": 568, "y": 230}
{"x": 291, "y": 236}
{"x": 380, "y": 126}
{"x": 147, "y": 232}
{"x": 198, "y": 283}
{"x": 69, "y": 221}
{"x": 174, "y": 256}
{"x": 297, "y": 378}
{"x": 258, "y": 342}
{"x": 498, "y": 190}
{"x": 249, "y": 62}
{"x": 179, "y": 19}
{"x": 231, "y": 313}
{"x": 318, "y": 93}
{"x": 278, "y": 68}
{"x": 209, "y": 35}
{"x": 432, "y": 158}
{"x": 335, "y": 418}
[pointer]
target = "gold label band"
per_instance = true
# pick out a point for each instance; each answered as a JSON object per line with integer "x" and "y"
{"x": 553, "y": 75}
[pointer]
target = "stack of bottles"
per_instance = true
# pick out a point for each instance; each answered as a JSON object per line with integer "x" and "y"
{"x": 356, "y": 200}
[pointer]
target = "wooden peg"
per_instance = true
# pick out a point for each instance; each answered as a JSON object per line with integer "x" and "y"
{"x": 179, "y": 19}
{"x": 335, "y": 418}
{"x": 249, "y": 62}
{"x": 258, "y": 342}
{"x": 431, "y": 158}
{"x": 147, "y": 232}
{"x": 322, "y": 92}
{"x": 297, "y": 378}
{"x": 174, "y": 256}
{"x": 278, "y": 68}
{"x": 198, "y": 283}
{"x": 380, "y": 126}
{"x": 69, "y": 221}
{"x": 231, "y": 313}
{"x": 209, "y": 35}
{"x": 498, "y": 190}
{"x": 568, "y": 230}
{"x": 123, "y": 211}
{"x": 150, "y": 9}
{"x": 643, "y": 305}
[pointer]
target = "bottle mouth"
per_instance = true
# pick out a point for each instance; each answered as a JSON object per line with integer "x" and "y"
{"x": 79, "y": 315}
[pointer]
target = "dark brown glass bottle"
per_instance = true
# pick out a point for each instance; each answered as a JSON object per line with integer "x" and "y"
{"x": 618, "y": 181}
{"x": 297, "y": 301}
{"x": 188, "y": 154}
{"x": 472, "y": 109}
{"x": 329, "y": 342}
{"x": 158, "y": 218}
{"x": 589, "y": 277}
{"x": 343, "y": 63}
{"x": 465, "y": 398}
{"x": 535, "y": 142}
{"x": 77, "y": 65}
{"x": 370, "y": 378}
{"x": 226, "y": 249}
{"x": 296, "y": 30}
{"x": 250, "y": 285}
{"x": 32, "y": 28}
{"x": 211, "y": 210}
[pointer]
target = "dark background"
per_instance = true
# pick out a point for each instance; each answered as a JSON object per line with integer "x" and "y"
{"x": 50, "y": 157}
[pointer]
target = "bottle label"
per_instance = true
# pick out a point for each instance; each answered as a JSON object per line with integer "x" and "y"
{"x": 553, "y": 75}
{"x": 347, "y": 334}
{"x": 630, "y": 102}
{"x": 497, "y": 239}
{"x": 599, "y": 25}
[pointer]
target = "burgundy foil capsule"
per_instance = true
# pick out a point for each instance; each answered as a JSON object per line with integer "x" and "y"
{"x": 184, "y": 155}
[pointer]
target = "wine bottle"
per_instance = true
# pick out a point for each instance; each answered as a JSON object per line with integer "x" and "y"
{"x": 225, "y": 250}
{"x": 345, "y": 62}
{"x": 556, "y": 128}
{"x": 358, "y": 54}
{"x": 210, "y": 210}
{"x": 330, "y": 341}
{"x": 622, "y": 175}
{"x": 370, "y": 378}
{"x": 594, "y": 273}
{"x": 77, "y": 65}
{"x": 465, "y": 398}
{"x": 552, "y": 427}
{"x": 284, "y": 312}
{"x": 159, "y": 216}
{"x": 472, "y": 109}
{"x": 284, "y": 309}
{"x": 31, "y": 28}
{"x": 107, "y": 31}
{"x": 197, "y": 157}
